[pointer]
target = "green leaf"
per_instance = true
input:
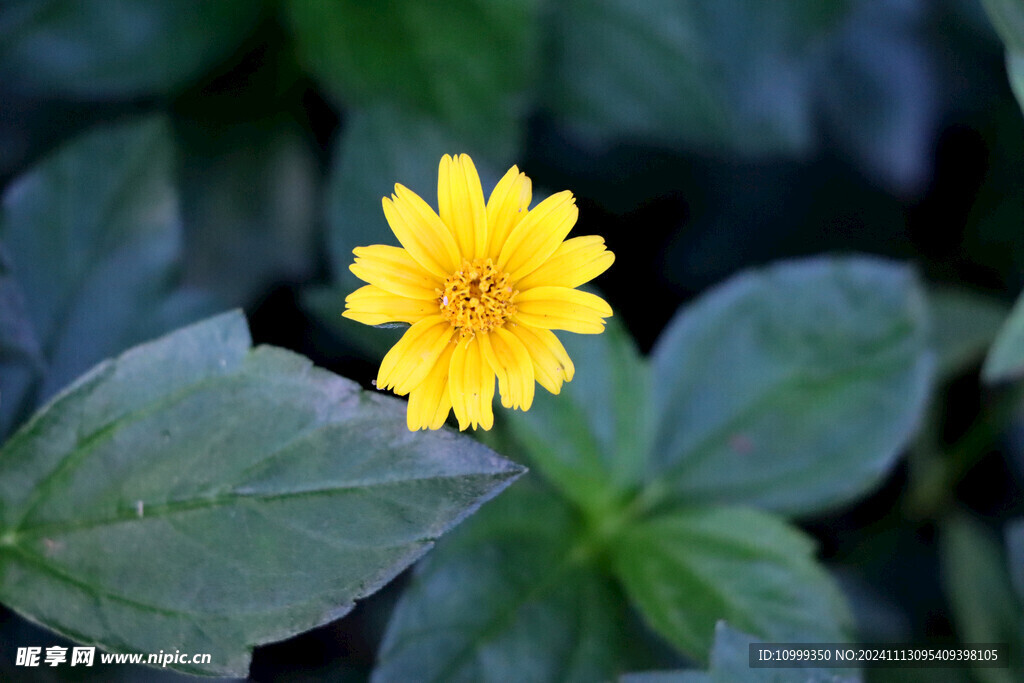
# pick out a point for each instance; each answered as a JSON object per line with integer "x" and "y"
{"x": 466, "y": 65}
{"x": 248, "y": 197}
{"x": 687, "y": 569}
{"x": 117, "y": 48}
{"x": 592, "y": 439}
{"x": 733, "y": 75}
{"x": 94, "y": 235}
{"x": 793, "y": 387}
{"x": 505, "y": 599}
{"x": 370, "y": 341}
{"x": 730, "y": 663}
{"x": 380, "y": 146}
{"x": 17, "y": 336}
{"x": 1015, "y": 72}
{"x": 984, "y": 607}
{"x": 196, "y": 494}
{"x": 963, "y": 327}
{"x": 1005, "y": 359}
{"x": 1015, "y": 551}
{"x": 1007, "y": 17}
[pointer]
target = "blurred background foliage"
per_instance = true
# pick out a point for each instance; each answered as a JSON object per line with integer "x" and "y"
{"x": 700, "y": 138}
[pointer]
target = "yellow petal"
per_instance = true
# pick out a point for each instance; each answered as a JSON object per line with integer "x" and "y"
{"x": 537, "y": 235}
{"x": 574, "y": 263}
{"x": 507, "y": 205}
{"x": 551, "y": 363}
{"x": 471, "y": 386}
{"x": 561, "y": 308}
{"x": 460, "y": 200}
{"x": 394, "y": 270}
{"x": 421, "y": 232}
{"x": 411, "y": 359}
{"x": 429, "y": 403}
{"x": 512, "y": 364}
{"x": 372, "y": 305}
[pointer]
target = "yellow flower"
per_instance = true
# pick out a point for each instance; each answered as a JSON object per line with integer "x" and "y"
{"x": 483, "y": 285}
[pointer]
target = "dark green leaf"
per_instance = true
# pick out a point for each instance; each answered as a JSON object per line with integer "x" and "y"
{"x": 793, "y": 387}
{"x": 592, "y": 439}
{"x": 17, "y": 335}
{"x": 194, "y": 494}
{"x": 963, "y": 326}
{"x": 881, "y": 103}
{"x": 688, "y": 569}
{"x": 984, "y": 606}
{"x": 731, "y": 74}
{"x": 1015, "y": 551}
{"x": 379, "y": 147}
{"x": 117, "y": 48}
{"x": 506, "y": 599}
{"x": 326, "y": 304}
{"x": 680, "y": 676}
{"x": 1005, "y": 359}
{"x": 94, "y": 235}
{"x": 249, "y": 194}
{"x": 466, "y": 64}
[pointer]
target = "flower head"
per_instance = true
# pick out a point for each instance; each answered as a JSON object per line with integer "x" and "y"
{"x": 483, "y": 285}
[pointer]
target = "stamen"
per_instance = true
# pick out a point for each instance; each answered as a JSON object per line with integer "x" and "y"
{"x": 477, "y": 298}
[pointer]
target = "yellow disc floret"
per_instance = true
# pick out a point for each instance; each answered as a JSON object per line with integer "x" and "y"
{"x": 477, "y": 297}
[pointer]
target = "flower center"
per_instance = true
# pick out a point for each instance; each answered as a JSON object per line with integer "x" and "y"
{"x": 477, "y": 297}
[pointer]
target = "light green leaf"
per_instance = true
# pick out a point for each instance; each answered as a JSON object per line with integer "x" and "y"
{"x": 466, "y": 64}
{"x": 793, "y": 387}
{"x": 95, "y": 238}
{"x": 592, "y": 439}
{"x": 733, "y": 74}
{"x": 1015, "y": 72}
{"x": 505, "y": 599}
{"x": 1005, "y": 359}
{"x": 963, "y": 326}
{"x": 984, "y": 607}
{"x": 730, "y": 663}
{"x": 1007, "y": 17}
{"x": 248, "y": 195}
{"x": 687, "y": 569}
{"x": 117, "y": 48}
{"x": 196, "y": 494}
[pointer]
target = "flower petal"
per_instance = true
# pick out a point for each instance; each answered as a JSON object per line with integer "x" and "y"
{"x": 561, "y": 308}
{"x": 471, "y": 385}
{"x": 430, "y": 402}
{"x": 372, "y": 305}
{"x": 421, "y": 232}
{"x": 394, "y": 270}
{"x": 507, "y": 205}
{"x": 411, "y": 359}
{"x": 460, "y": 200}
{"x": 574, "y": 263}
{"x": 537, "y": 235}
{"x": 512, "y": 364}
{"x": 551, "y": 363}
